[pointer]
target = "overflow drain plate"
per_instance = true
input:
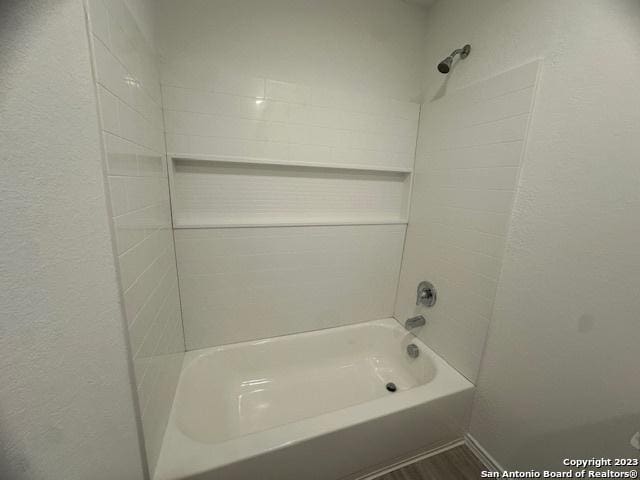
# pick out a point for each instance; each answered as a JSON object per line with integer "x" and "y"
{"x": 391, "y": 387}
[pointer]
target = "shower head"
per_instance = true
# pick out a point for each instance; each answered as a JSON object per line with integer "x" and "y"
{"x": 445, "y": 65}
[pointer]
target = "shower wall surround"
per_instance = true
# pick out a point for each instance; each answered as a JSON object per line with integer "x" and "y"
{"x": 292, "y": 161}
{"x": 470, "y": 147}
{"x": 245, "y": 283}
{"x": 132, "y": 127}
{"x": 280, "y": 277}
{"x": 263, "y": 118}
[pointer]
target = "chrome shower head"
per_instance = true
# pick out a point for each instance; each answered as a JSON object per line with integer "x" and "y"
{"x": 445, "y": 65}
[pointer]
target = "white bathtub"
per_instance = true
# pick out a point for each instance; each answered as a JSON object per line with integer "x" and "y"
{"x": 312, "y": 405}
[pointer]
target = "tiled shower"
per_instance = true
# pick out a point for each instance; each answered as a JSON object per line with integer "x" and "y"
{"x": 130, "y": 106}
{"x": 219, "y": 213}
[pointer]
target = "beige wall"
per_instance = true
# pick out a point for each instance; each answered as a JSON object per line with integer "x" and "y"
{"x": 559, "y": 374}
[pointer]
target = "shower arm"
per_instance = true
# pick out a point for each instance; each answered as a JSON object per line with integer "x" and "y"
{"x": 464, "y": 52}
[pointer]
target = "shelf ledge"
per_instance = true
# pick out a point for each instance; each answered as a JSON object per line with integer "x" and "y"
{"x": 318, "y": 223}
{"x": 284, "y": 163}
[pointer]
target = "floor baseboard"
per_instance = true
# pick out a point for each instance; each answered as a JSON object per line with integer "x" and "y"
{"x": 409, "y": 460}
{"x": 482, "y": 454}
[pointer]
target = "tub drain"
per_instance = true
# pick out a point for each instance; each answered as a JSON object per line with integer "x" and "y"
{"x": 391, "y": 387}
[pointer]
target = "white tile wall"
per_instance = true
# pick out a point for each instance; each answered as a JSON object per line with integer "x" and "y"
{"x": 131, "y": 116}
{"x": 288, "y": 121}
{"x": 364, "y": 46}
{"x": 239, "y": 284}
{"x": 469, "y": 152}
{"x": 286, "y": 279}
{"x": 241, "y": 81}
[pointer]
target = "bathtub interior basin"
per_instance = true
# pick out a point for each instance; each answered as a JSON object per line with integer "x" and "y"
{"x": 235, "y": 390}
{"x": 239, "y": 401}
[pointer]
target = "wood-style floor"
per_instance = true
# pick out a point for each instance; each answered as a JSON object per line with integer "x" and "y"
{"x": 456, "y": 464}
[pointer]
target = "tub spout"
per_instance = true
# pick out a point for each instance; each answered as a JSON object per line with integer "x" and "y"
{"x": 415, "y": 322}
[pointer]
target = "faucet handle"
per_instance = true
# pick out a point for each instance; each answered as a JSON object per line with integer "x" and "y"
{"x": 426, "y": 294}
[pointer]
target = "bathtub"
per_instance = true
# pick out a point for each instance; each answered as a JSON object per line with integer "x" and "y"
{"x": 311, "y": 405}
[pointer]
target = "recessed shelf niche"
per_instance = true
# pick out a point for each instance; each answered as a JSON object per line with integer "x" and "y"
{"x": 216, "y": 192}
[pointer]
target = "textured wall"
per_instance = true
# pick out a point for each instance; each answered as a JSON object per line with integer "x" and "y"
{"x": 66, "y": 395}
{"x": 130, "y": 106}
{"x": 559, "y": 374}
{"x": 470, "y": 146}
